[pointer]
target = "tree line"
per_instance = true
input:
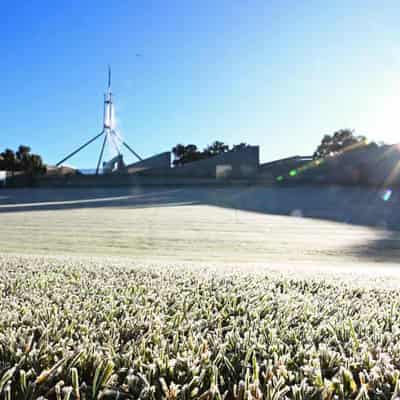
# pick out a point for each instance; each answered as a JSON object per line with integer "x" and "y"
{"x": 22, "y": 160}
{"x": 184, "y": 154}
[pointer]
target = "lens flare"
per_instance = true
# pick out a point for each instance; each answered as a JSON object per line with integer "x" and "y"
{"x": 386, "y": 194}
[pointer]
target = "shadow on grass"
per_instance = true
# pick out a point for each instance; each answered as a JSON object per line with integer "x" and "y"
{"x": 351, "y": 205}
{"x": 383, "y": 249}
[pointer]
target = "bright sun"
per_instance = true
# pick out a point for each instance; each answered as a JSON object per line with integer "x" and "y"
{"x": 381, "y": 119}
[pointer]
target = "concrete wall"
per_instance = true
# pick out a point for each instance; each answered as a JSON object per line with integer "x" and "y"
{"x": 237, "y": 164}
{"x": 3, "y": 176}
{"x": 368, "y": 165}
{"x": 159, "y": 161}
{"x": 119, "y": 180}
{"x": 269, "y": 172}
{"x": 371, "y": 165}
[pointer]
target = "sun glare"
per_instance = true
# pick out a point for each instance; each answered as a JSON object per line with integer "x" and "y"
{"x": 380, "y": 121}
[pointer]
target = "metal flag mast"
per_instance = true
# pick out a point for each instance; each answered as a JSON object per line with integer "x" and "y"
{"x": 108, "y": 130}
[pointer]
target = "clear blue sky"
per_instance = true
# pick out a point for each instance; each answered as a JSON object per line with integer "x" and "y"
{"x": 275, "y": 73}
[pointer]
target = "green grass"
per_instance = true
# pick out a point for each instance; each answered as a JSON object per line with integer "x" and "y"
{"x": 74, "y": 329}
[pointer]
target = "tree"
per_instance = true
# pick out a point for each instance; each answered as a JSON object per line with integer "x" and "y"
{"x": 341, "y": 140}
{"x": 185, "y": 154}
{"x": 23, "y": 152}
{"x": 189, "y": 153}
{"x": 22, "y": 160}
{"x": 9, "y": 160}
{"x": 216, "y": 148}
{"x": 240, "y": 146}
{"x": 35, "y": 164}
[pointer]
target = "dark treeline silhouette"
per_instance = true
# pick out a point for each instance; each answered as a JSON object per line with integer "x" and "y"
{"x": 22, "y": 160}
{"x": 184, "y": 154}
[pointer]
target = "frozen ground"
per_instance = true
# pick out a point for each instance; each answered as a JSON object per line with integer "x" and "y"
{"x": 178, "y": 285}
{"x": 286, "y": 228}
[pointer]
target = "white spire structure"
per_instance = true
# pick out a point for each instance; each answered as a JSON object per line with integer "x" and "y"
{"x": 108, "y": 119}
{"x": 110, "y": 135}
